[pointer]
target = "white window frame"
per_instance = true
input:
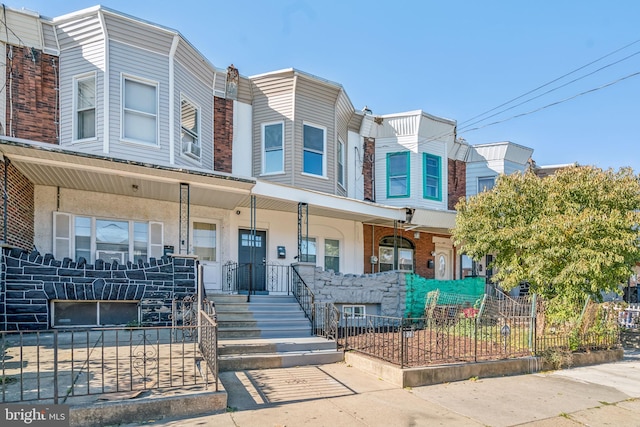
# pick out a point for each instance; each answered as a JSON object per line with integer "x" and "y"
{"x": 341, "y": 162}
{"x": 156, "y": 85}
{"x": 324, "y": 150}
{"x": 75, "y": 125}
{"x": 480, "y": 178}
{"x": 324, "y": 255}
{"x": 216, "y": 253}
{"x": 264, "y": 148}
{"x": 349, "y": 311}
{"x": 154, "y": 247}
{"x": 304, "y": 254}
{"x": 197, "y": 135}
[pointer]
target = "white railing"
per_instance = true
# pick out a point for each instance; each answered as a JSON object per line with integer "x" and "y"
{"x": 630, "y": 317}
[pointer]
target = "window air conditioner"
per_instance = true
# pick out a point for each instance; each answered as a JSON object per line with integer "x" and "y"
{"x": 191, "y": 149}
{"x": 110, "y": 256}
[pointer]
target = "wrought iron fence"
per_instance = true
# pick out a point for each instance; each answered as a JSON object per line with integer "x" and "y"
{"x": 256, "y": 278}
{"x": 53, "y": 366}
{"x": 303, "y": 294}
{"x": 326, "y": 318}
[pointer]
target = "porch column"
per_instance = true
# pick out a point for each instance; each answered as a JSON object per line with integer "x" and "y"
{"x": 184, "y": 218}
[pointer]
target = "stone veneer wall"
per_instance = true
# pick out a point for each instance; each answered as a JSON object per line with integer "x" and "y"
{"x": 387, "y": 289}
{"x": 29, "y": 281}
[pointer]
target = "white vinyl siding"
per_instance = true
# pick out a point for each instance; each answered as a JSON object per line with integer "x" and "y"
{"x": 139, "y": 111}
{"x": 273, "y": 148}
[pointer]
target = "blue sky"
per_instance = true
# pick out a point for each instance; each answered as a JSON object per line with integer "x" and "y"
{"x": 455, "y": 59}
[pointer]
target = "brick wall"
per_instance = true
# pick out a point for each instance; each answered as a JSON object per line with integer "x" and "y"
{"x": 368, "y": 168}
{"x": 20, "y": 208}
{"x": 422, "y": 252}
{"x": 32, "y": 105}
{"x": 30, "y": 281}
{"x": 222, "y": 134}
{"x": 457, "y": 182}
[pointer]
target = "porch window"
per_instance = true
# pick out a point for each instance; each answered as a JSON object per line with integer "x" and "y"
{"x": 190, "y": 126}
{"x": 204, "y": 241}
{"x": 106, "y": 239}
{"x": 140, "y": 111}
{"x": 308, "y": 250}
{"x": 353, "y": 311}
{"x": 85, "y": 106}
{"x": 273, "y": 148}
{"x": 313, "y": 157}
{"x": 332, "y": 255}
{"x": 395, "y": 256}
{"x": 398, "y": 174}
{"x": 432, "y": 181}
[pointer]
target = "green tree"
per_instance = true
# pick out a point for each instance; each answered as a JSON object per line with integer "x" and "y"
{"x": 569, "y": 235}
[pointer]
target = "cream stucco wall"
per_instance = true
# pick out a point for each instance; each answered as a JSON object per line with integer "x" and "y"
{"x": 281, "y": 227}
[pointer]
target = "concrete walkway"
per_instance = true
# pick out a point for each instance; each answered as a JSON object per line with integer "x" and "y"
{"x": 341, "y": 395}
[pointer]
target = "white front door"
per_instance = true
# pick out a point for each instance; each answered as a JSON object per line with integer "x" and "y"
{"x": 205, "y": 246}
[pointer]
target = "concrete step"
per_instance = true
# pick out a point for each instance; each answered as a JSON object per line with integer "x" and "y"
{"x": 277, "y": 307}
{"x": 256, "y": 332}
{"x": 263, "y": 323}
{"x": 278, "y": 360}
{"x": 261, "y": 315}
{"x": 273, "y": 345}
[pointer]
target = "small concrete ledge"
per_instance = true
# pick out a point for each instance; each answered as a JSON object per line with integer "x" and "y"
{"x": 415, "y": 377}
{"x": 148, "y": 408}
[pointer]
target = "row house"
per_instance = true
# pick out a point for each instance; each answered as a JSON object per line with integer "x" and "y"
{"x": 122, "y": 144}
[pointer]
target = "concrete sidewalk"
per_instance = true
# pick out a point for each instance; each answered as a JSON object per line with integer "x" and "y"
{"x": 341, "y": 395}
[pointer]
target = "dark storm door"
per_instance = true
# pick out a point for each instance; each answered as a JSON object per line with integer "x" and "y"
{"x": 251, "y": 272}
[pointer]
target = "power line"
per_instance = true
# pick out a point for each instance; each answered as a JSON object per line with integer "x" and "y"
{"x": 550, "y": 82}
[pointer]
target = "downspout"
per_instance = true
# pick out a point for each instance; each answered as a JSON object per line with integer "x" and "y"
{"x": 106, "y": 85}
{"x": 5, "y": 197}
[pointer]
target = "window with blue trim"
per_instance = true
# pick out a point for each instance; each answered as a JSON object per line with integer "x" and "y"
{"x": 432, "y": 180}
{"x": 398, "y": 174}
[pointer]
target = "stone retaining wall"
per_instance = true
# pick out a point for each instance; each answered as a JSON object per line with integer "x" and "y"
{"x": 29, "y": 281}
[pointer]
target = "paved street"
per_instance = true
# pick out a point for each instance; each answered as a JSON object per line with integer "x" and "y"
{"x": 340, "y": 395}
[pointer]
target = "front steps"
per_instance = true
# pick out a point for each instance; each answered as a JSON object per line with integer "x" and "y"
{"x": 268, "y": 332}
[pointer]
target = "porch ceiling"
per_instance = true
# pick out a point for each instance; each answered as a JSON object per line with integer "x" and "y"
{"x": 44, "y": 164}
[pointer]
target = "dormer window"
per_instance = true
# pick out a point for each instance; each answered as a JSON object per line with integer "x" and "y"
{"x": 432, "y": 181}
{"x": 313, "y": 157}
{"x": 140, "y": 111}
{"x": 189, "y": 123}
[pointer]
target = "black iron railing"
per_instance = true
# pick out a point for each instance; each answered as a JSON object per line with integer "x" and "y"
{"x": 256, "y": 278}
{"x": 303, "y": 294}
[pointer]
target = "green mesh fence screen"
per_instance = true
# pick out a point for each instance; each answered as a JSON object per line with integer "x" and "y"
{"x": 418, "y": 288}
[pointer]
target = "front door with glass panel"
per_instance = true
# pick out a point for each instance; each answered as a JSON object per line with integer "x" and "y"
{"x": 252, "y": 256}
{"x": 205, "y": 246}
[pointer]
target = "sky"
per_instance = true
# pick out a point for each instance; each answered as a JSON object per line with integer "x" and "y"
{"x": 570, "y": 67}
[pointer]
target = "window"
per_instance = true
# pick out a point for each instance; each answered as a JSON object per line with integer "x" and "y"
{"x": 332, "y": 255}
{"x": 468, "y": 266}
{"x": 353, "y": 311}
{"x": 273, "y": 146}
{"x": 94, "y": 313}
{"x": 140, "y": 111}
{"x": 204, "y": 241}
{"x": 398, "y": 174}
{"x": 486, "y": 183}
{"x": 387, "y": 260}
{"x": 341, "y": 163}
{"x": 313, "y": 150}
{"x": 106, "y": 239}
{"x": 308, "y": 250}
{"x": 189, "y": 123}
{"x": 85, "y": 105}
{"x": 431, "y": 166}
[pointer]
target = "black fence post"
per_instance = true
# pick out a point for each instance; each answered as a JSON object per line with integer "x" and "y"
{"x": 55, "y": 367}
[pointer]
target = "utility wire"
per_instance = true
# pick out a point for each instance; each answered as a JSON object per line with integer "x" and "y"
{"x": 550, "y": 82}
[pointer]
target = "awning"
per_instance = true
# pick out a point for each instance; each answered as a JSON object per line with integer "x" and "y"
{"x": 432, "y": 220}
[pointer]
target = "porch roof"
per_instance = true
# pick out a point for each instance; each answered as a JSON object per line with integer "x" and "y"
{"x": 431, "y": 220}
{"x": 52, "y": 165}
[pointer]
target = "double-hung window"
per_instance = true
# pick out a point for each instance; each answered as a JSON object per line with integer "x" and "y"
{"x": 340, "y": 156}
{"x": 85, "y": 107}
{"x": 313, "y": 157}
{"x": 139, "y": 111}
{"x": 332, "y": 255}
{"x": 190, "y": 127}
{"x": 273, "y": 148}
{"x": 432, "y": 182}
{"x": 308, "y": 250}
{"x": 398, "y": 174}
